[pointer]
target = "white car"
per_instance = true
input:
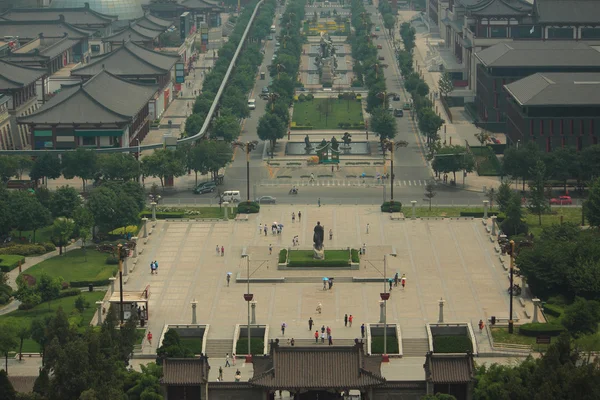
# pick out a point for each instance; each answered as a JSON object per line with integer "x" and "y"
{"x": 252, "y": 104}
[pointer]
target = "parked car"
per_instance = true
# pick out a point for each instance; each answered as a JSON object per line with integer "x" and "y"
{"x": 377, "y": 29}
{"x": 561, "y": 200}
{"x": 252, "y": 104}
{"x": 396, "y": 97}
{"x": 406, "y": 106}
{"x": 379, "y": 46}
{"x": 381, "y": 58}
{"x": 398, "y": 112}
{"x": 205, "y": 187}
{"x": 496, "y": 141}
{"x": 265, "y": 90}
{"x": 266, "y": 200}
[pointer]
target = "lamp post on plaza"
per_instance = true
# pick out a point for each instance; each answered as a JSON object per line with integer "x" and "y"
{"x": 512, "y": 269}
{"x": 248, "y": 297}
{"x": 390, "y": 145}
{"x": 248, "y": 146}
{"x": 385, "y": 296}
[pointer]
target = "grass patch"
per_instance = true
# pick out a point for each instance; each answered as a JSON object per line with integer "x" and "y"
{"x": 377, "y": 345}
{"x": 307, "y": 113}
{"x": 501, "y": 335}
{"x": 452, "y": 344}
{"x": 486, "y": 161}
{"x": 73, "y": 268}
{"x": 304, "y": 258}
{"x": 42, "y": 235}
{"x": 282, "y": 256}
{"x": 10, "y": 262}
{"x": 257, "y": 346}
{"x": 48, "y": 309}
{"x": 569, "y": 214}
{"x": 194, "y": 344}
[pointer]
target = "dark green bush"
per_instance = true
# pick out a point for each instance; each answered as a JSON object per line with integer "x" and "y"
{"x": 248, "y": 207}
{"x": 4, "y": 298}
{"x": 282, "y": 256}
{"x": 388, "y": 207}
{"x": 301, "y": 98}
{"x": 10, "y": 262}
{"x": 478, "y": 214}
{"x": 23, "y": 250}
{"x": 319, "y": 263}
{"x": 162, "y": 214}
{"x": 452, "y": 344}
{"x": 310, "y": 97}
{"x": 354, "y": 256}
{"x": 49, "y": 246}
{"x": 111, "y": 260}
{"x": 377, "y": 345}
{"x": 538, "y": 329}
{"x": 69, "y": 293}
{"x": 257, "y": 346}
{"x": 553, "y": 310}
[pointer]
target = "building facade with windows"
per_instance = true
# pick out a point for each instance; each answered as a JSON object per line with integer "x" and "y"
{"x": 554, "y": 109}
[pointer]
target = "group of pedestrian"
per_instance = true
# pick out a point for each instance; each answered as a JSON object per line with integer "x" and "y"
{"x": 227, "y": 358}
{"x": 220, "y": 251}
{"x": 294, "y": 216}
{"x": 154, "y": 267}
{"x": 395, "y": 279}
{"x": 322, "y": 336}
{"x": 295, "y": 241}
{"x": 348, "y": 320}
{"x": 363, "y": 249}
{"x": 327, "y": 284}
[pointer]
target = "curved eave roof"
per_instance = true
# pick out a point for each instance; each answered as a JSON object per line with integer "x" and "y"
{"x": 14, "y": 76}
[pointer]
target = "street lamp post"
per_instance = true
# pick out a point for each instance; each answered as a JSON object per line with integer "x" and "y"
{"x": 248, "y": 147}
{"x": 512, "y": 269}
{"x": 248, "y": 297}
{"x": 385, "y": 296}
{"x": 121, "y": 253}
{"x": 391, "y": 145}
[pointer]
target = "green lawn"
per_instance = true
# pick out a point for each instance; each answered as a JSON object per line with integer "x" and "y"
{"x": 377, "y": 345}
{"x": 41, "y": 310}
{"x": 452, "y": 344}
{"x": 501, "y": 335}
{"x": 257, "y": 346}
{"x": 307, "y": 113}
{"x": 42, "y": 235}
{"x": 192, "y": 343}
{"x": 72, "y": 267}
{"x": 488, "y": 163}
{"x": 333, "y": 259}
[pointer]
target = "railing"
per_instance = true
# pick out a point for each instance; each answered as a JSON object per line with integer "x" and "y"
{"x": 197, "y": 136}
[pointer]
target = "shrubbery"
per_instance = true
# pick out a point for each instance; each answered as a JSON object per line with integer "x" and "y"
{"x": 248, "y": 207}
{"x": 25, "y": 249}
{"x": 282, "y": 256}
{"x": 10, "y": 262}
{"x": 452, "y": 344}
{"x": 389, "y": 207}
{"x": 539, "y": 329}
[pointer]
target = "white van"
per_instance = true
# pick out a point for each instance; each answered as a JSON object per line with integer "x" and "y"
{"x": 252, "y": 104}
{"x": 232, "y": 196}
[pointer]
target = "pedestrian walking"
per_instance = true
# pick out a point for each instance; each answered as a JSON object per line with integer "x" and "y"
{"x": 270, "y": 249}
{"x": 217, "y": 250}
{"x": 324, "y": 285}
{"x": 222, "y": 251}
{"x": 293, "y": 217}
{"x": 319, "y": 308}
{"x": 323, "y": 329}
{"x": 350, "y": 319}
{"x": 151, "y": 268}
{"x": 299, "y": 216}
{"x": 265, "y": 229}
{"x": 330, "y": 234}
{"x": 221, "y": 373}
{"x": 319, "y": 202}
{"x": 323, "y": 337}
{"x": 403, "y": 280}
{"x": 328, "y": 331}
{"x": 155, "y": 267}
{"x": 283, "y": 329}
{"x": 310, "y": 324}
{"x": 259, "y": 228}
{"x": 481, "y": 325}
{"x": 364, "y": 249}
{"x": 330, "y": 340}
{"x": 362, "y": 331}
{"x": 292, "y": 342}
{"x": 396, "y": 279}
{"x": 316, "y": 336}
{"x": 367, "y": 228}
{"x": 312, "y": 177}
{"x": 233, "y": 358}
{"x": 391, "y": 281}
{"x": 346, "y": 320}
{"x": 228, "y": 279}
{"x": 149, "y": 337}
{"x": 227, "y": 360}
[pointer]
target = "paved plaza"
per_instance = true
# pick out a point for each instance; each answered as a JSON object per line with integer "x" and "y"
{"x": 442, "y": 258}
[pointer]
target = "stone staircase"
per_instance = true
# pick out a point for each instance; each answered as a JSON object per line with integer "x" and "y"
{"x": 217, "y": 348}
{"x": 311, "y": 343}
{"x": 415, "y": 347}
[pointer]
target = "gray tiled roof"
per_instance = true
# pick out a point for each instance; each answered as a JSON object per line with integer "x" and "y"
{"x": 184, "y": 371}
{"x": 51, "y": 50}
{"x": 129, "y": 60}
{"x": 501, "y": 7}
{"x": 165, "y": 23}
{"x": 75, "y": 16}
{"x": 104, "y": 98}
{"x": 135, "y": 33}
{"x": 14, "y": 76}
{"x": 449, "y": 368}
{"x": 321, "y": 367}
{"x": 557, "y": 89}
{"x": 568, "y": 11}
{"x": 533, "y": 53}
{"x": 32, "y": 29}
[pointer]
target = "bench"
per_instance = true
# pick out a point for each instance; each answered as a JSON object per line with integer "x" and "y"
{"x": 245, "y": 252}
{"x": 150, "y": 231}
{"x": 492, "y": 239}
{"x": 241, "y": 217}
{"x": 394, "y": 252}
{"x": 497, "y": 248}
{"x": 145, "y": 241}
{"x": 140, "y": 251}
{"x": 522, "y": 302}
{"x": 396, "y": 216}
{"x": 526, "y": 314}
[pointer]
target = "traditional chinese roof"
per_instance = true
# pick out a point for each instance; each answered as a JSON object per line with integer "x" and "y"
{"x": 75, "y": 16}
{"x": 48, "y": 49}
{"x": 537, "y": 53}
{"x": 13, "y": 76}
{"x": 494, "y": 8}
{"x": 185, "y": 371}
{"x": 149, "y": 21}
{"x": 134, "y": 33}
{"x": 577, "y": 12}
{"x": 557, "y": 89}
{"x": 316, "y": 368}
{"x": 129, "y": 60}
{"x": 29, "y": 30}
{"x": 103, "y": 99}
{"x": 449, "y": 368}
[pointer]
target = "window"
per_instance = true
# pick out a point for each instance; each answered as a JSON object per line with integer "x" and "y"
{"x": 548, "y": 145}
{"x": 560, "y": 33}
{"x": 498, "y": 31}
{"x": 541, "y": 127}
{"x": 590, "y": 33}
{"x": 95, "y": 48}
{"x": 562, "y": 126}
{"x": 88, "y": 141}
{"x": 526, "y": 32}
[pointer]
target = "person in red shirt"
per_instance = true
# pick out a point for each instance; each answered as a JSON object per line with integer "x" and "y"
{"x": 316, "y": 336}
{"x": 350, "y": 318}
{"x": 149, "y": 337}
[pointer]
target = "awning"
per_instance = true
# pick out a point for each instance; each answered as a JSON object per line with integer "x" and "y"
{"x": 94, "y": 133}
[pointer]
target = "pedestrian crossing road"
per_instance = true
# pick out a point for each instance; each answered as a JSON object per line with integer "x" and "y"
{"x": 368, "y": 182}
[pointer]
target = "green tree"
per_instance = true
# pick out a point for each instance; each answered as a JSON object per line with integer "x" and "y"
{"x": 514, "y": 224}
{"x": 172, "y": 348}
{"x": 6, "y": 213}
{"x": 582, "y": 317}
{"x": 22, "y": 331}
{"x": 62, "y": 232}
{"x": 65, "y": 200}
{"x": 84, "y": 222}
{"x": 7, "y": 392}
{"x": 482, "y": 137}
{"x": 564, "y": 163}
{"x": 590, "y": 162}
{"x": 430, "y": 124}
{"x": 270, "y": 128}
{"x": 48, "y": 288}
{"x": 226, "y": 127}
{"x": 438, "y": 396}
{"x": 389, "y": 22}
{"x": 28, "y": 213}
{"x": 538, "y": 204}
{"x": 518, "y": 162}
{"x": 163, "y": 163}
{"x": 193, "y": 124}
{"x": 42, "y": 383}
{"x": 591, "y": 207}
{"x": 383, "y": 124}
{"x": 8, "y": 342}
{"x": 24, "y": 163}
{"x": 147, "y": 383}
{"x": 80, "y": 163}
{"x": 504, "y": 195}
{"x": 46, "y": 166}
{"x": 446, "y": 85}
{"x": 430, "y": 193}
{"x": 422, "y": 88}
{"x": 452, "y": 159}
{"x": 112, "y": 208}
{"x": 8, "y": 167}
{"x": 118, "y": 166}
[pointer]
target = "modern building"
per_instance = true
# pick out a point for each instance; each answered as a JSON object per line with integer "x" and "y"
{"x": 105, "y": 111}
{"x": 554, "y": 109}
{"x": 470, "y": 26}
{"x": 124, "y": 9}
{"x": 138, "y": 64}
{"x": 201, "y": 10}
{"x": 18, "y": 87}
{"x": 319, "y": 372}
{"x": 505, "y": 63}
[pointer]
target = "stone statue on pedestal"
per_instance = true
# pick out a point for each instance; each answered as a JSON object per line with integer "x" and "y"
{"x": 319, "y": 234}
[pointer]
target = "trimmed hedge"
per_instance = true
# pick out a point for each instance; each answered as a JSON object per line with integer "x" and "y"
{"x": 553, "y": 310}
{"x": 282, "y": 256}
{"x": 452, "y": 344}
{"x": 354, "y": 256}
{"x": 24, "y": 250}
{"x": 318, "y": 264}
{"x": 248, "y": 207}
{"x": 102, "y": 282}
{"x": 538, "y": 329}
{"x": 163, "y": 214}
{"x": 396, "y": 207}
{"x": 478, "y": 214}
{"x": 377, "y": 344}
{"x": 257, "y": 346}
{"x": 10, "y": 262}
{"x": 69, "y": 293}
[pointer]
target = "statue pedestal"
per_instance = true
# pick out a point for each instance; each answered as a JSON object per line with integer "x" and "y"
{"x": 318, "y": 254}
